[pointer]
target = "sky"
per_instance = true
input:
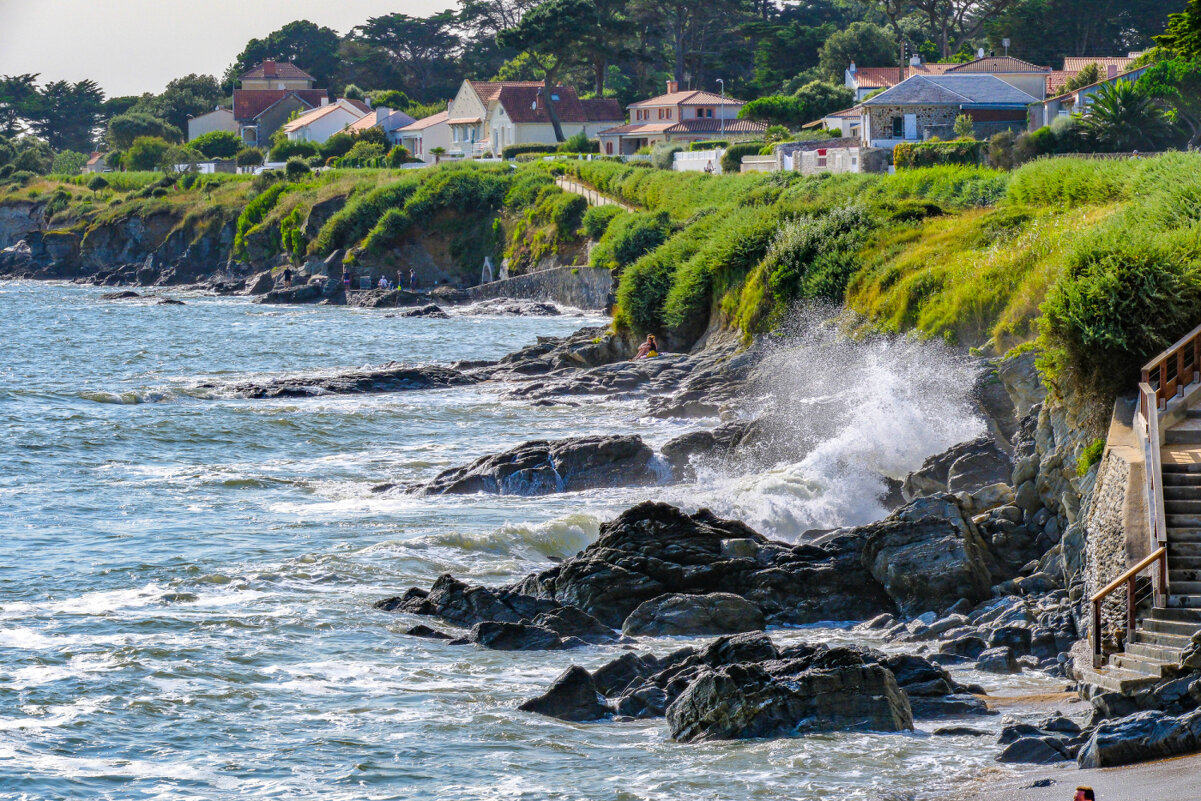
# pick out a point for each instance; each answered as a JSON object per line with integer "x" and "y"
{"x": 135, "y": 46}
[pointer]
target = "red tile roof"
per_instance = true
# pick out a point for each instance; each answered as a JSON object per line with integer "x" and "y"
{"x": 998, "y": 65}
{"x": 706, "y": 126}
{"x": 284, "y": 70}
{"x": 1056, "y": 80}
{"x": 602, "y": 109}
{"x": 884, "y": 77}
{"x": 525, "y": 103}
{"x": 1073, "y": 64}
{"x": 488, "y": 91}
{"x": 686, "y": 98}
{"x": 637, "y": 127}
{"x": 249, "y": 103}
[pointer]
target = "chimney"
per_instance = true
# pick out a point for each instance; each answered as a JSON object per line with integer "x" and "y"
{"x": 382, "y": 113}
{"x": 673, "y": 87}
{"x": 1111, "y": 70}
{"x": 851, "y": 69}
{"x": 325, "y": 101}
{"x": 980, "y": 52}
{"x": 269, "y": 69}
{"x": 915, "y": 60}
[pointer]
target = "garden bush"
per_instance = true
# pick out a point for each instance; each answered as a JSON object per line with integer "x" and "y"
{"x": 512, "y": 151}
{"x": 731, "y": 160}
{"x": 597, "y": 218}
{"x": 628, "y": 238}
{"x": 908, "y": 155}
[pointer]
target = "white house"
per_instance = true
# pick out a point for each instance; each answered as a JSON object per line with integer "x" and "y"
{"x": 488, "y": 116}
{"x": 424, "y": 135}
{"x": 384, "y": 118}
{"x": 319, "y": 124}
{"x": 1076, "y": 102}
{"x": 1030, "y": 78}
{"x": 219, "y": 119}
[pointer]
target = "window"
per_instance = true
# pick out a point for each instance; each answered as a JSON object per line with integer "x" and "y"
{"x": 898, "y": 128}
{"x": 709, "y": 112}
{"x": 700, "y": 112}
{"x": 608, "y": 148}
{"x": 660, "y": 113}
{"x": 669, "y": 112}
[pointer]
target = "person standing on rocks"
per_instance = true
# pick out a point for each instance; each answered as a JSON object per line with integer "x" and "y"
{"x": 412, "y": 280}
{"x": 287, "y": 277}
{"x": 346, "y": 282}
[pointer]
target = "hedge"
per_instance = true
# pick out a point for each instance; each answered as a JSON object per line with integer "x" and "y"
{"x": 731, "y": 161}
{"x": 512, "y": 151}
{"x": 712, "y": 144}
{"x": 908, "y": 155}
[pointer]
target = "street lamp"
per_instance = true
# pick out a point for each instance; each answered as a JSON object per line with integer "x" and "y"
{"x": 723, "y": 107}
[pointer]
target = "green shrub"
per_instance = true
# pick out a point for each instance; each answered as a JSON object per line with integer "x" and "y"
{"x": 249, "y": 157}
{"x": 146, "y": 153}
{"x": 1089, "y": 457}
{"x": 397, "y": 157}
{"x": 908, "y": 155}
{"x": 567, "y": 213}
{"x": 254, "y": 213}
{"x": 296, "y": 168}
{"x": 359, "y": 215}
{"x": 712, "y": 144}
{"x": 579, "y": 143}
{"x": 512, "y": 151}
{"x": 291, "y": 239}
{"x": 814, "y": 256}
{"x": 388, "y": 231}
{"x": 526, "y": 188}
{"x": 731, "y": 160}
{"x": 288, "y": 149}
{"x": 597, "y": 218}
{"x": 663, "y": 154}
{"x": 217, "y": 144}
{"x": 363, "y": 154}
{"x": 629, "y": 237}
{"x": 1070, "y": 182}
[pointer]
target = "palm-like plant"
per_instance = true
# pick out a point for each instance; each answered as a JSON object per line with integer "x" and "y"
{"x": 1121, "y": 117}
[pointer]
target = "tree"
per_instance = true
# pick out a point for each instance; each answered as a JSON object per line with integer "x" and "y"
{"x": 1121, "y": 118}
{"x": 68, "y": 162}
{"x": 1043, "y": 31}
{"x": 314, "y": 49}
{"x": 189, "y": 96}
{"x": 1086, "y": 77}
{"x": 548, "y": 34}
{"x": 124, "y": 129}
{"x": 392, "y": 98}
{"x": 864, "y": 44}
{"x": 422, "y": 50}
{"x": 688, "y": 28}
{"x": 821, "y": 98}
{"x": 603, "y": 39}
{"x": 96, "y": 183}
{"x": 1176, "y": 85}
{"x": 783, "y": 110}
{"x": 397, "y": 156}
{"x": 954, "y": 22}
{"x": 67, "y": 114}
{"x": 218, "y": 144}
{"x": 180, "y": 154}
{"x": 249, "y": 157}
{"x": 481, "y": 21}
{"x": 296, "y": 168}
{"x": 363, "y": 154}
{"x": 1183, "y": 34}
{"x": 963, "y": 127}
{"x": 18, "y": 93}
{"x": 352, "y": 92}
{"x": 146, "y": 153}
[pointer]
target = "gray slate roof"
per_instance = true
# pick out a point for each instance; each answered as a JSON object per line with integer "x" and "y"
{"x": 952, "y": 90}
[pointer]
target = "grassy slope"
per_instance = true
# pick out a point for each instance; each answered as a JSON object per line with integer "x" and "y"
{"x": 1100, "y": 258}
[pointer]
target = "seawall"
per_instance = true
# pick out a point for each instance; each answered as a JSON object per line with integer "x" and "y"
{"x": 581, "y": 287}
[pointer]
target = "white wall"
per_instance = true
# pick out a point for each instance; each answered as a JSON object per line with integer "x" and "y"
{"x": 324, "y": 127}
{"x": 219, "y": 120}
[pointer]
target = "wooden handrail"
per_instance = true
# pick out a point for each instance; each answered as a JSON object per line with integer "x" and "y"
{"x": 1183, "y": 357}
{"x": 1146, "y": 562}
{"x": 1170, "y": 349}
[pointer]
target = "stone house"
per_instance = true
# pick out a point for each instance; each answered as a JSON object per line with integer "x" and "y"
{"x": 687, "y": 116}
{"x": 1030, "y": 78}
{"x": 845, "y": 155}
{"x": 923, "y": 107}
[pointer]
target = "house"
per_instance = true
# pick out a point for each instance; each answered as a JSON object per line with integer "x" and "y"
{"x": 488, "y": 116}
{"x": 384, "y": 118}
{"x": 687, "y": 116}
{"x": 925, "y": 106}
{"x": 422, "y": 136}
{"x": 847, "y": 154}
{"x": 846, "y": 121}
{"x": 219, "y": 119}
{"x": 1075, "y": 102}
{"x": 97, "y": 162}
{"x": 319, "y": 124}
{"x": 1109, "y": 66}
{"x": 1030, "y": 78}
{"x": 269, "y": 96}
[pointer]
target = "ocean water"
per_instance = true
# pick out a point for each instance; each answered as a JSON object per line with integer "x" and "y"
{"x": 186, "y": 578}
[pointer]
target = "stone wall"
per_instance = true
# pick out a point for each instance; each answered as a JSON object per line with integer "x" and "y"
{"x": 581, "y": 287}
{"x": 927, "y": 117}
{"x": 1105, "y": 534}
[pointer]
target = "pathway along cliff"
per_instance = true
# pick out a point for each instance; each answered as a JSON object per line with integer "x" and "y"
{"x": 205, "y": 521}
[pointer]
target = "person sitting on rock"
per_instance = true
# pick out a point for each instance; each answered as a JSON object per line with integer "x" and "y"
{"x": 1084, "y": 794}
{"x": 383, "y": 282}
{"x": 647, "y": 349}
{"x": 288, "y": 277}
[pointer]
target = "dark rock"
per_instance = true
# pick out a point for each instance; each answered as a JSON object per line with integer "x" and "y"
{"x": 567, "y": 621}
{"x": 973, "y": 465}
{"x": 716, "y": 444}
{"x": 573, "y": 696}
{"x": 997, "y": 660}
{"x": 392, "y": 377}
{"x": 128, "y": 294}
{"x": 654, "y": 549}
{"x": 1060, "y": 724}
{"x": 260, "y": 284}
{"x": 427, "y": 633}
{"x": 1034, "y": 751}
{"x": 1016, "y": 638}
{"x": 959, "y": 731}
{"x": 1012, "y": 732}
{"x": 514, "y": 637}
{"x": 970, "y": 647}
{"x": 927, "y": 555}
{"x": 676, "y": 614}
{"x": 1141, "y": 737}
{"x": 949, "y": 706}
{"x": 515, "y": 307}
{"x": 306, "y": 293}
{"x": 614, "y": 677}
{"x": 464, "y": 605}
{"x": 430, "y": 311}
{"x": 541, "y": 467}
{"x": 170, "y": 302}
{"x": 742, "y": 701}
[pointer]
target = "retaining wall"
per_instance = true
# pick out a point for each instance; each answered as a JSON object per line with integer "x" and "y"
{"x": 582, "y": 287}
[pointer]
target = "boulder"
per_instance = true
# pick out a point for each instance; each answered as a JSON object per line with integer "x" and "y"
{"x": 573, "y": 697}
{"x": 718, "y": 443}
{"x": 127, "y": 294}
{"x": 1141, "y": 737}
{"x": 427, "y": 633}
{"x": 965, "y": 467}
{"x": 927, "y": 555}
{"x": 567, "y": 621}
{"x": 678, "y": 614}
{"x": 429, "y": 310}
{"x": 514, "y": 637}
{"x": 306, "y": 293}
{"x": 541, "y": 467}
{"x": 998, "y": 660}
{"x": 744, "y": 701}
{"x": 464, "y": 605}
{"x": 392, "y": 377}
{"x": 654, "y": 549}
{"x": 1034, "y": 751}
{"x": 260, "y": 284}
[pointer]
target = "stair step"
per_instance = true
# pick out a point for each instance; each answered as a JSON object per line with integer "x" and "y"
{"x": 1182, "y": 562}
{"x": 1183, "y": 520}
{"x": 1176, "y": 615}
{"x": 1188, "y": 492}
{"x": 1193, "y": 414}
{"x": 1158, "y": 638}
{"x": 1155, "y": 653}
{"x": 1137, "y": 664}
{"x": 1182, "y": 468}
{"x": 1182, "y": 435}
{"x": 1182, "y": 548}
{"x": 1184, "y": 601}
{"x": 1186, "y": 576}
{"x": 1172, "y": 628}
{"x": 1116, "y": 679}
{"x": 1186, "y": 506}
{"x": 1181, "y": 480}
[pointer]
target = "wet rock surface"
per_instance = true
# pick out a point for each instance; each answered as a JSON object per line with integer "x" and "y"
{"x": 541, "y": 467}
{"x": 392, "y": 377}
{"x": 714, "y": 613}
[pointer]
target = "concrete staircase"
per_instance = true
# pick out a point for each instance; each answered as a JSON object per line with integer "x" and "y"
{"x": 1164, "y": 632}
